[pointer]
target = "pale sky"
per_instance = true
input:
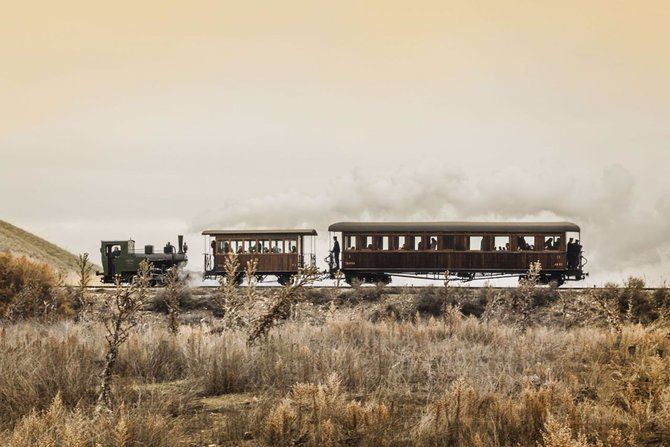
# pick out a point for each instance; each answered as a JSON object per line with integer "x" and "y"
{"x": 145, "y": 119}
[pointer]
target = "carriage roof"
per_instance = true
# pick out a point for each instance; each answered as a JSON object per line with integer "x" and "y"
{"x": 292, "y": 232}
{"x": 474, "y": 227}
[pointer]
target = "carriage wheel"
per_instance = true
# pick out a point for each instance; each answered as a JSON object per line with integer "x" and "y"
{"x": 283, "y": 279}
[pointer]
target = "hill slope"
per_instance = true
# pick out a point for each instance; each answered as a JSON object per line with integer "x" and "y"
{"x": 23, "y": 243}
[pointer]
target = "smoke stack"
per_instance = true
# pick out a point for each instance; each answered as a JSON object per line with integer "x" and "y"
{"x": 181, "y": 243}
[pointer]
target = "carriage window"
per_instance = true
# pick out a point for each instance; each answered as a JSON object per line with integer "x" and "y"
{"x": 364, "y": 242}
{"x": 552, "y": 242}
{"x": 432, "y": 243}
{"x": 234, "y": 246}
{"x": 350, "y": 242}
{"x": 385, "y": 243}
{"x": 418, "y": 244}
{"x": 501, "y": 243}
{"x": 264, "y": 246}
{"x": 277, "y": 246}
{"x": 525, "y": 242}
{"x": 402, "y": 243}
{"x": 476, "y": 243}
{"x": 224, "y": 246}
{"x": 292, "y": 246}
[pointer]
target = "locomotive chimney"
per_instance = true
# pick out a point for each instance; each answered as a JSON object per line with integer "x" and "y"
{"x": 181, "y": 243}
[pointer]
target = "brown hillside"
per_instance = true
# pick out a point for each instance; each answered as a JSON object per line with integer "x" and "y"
{"x": 22, "y": 243}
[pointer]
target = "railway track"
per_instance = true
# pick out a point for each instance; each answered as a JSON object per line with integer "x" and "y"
{"x": 388, "y": 287}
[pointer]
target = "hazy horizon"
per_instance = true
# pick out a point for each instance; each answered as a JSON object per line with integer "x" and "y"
{"x": 149, "y": 119}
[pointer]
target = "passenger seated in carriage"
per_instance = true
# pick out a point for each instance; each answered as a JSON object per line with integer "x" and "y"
{"x": 549, "y": 244}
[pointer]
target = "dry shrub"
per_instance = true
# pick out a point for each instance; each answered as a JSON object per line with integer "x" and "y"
{"x": 59, "y": 426}
{"x": 318, "y": 296}
{"x": 162, "y": 360}
{"x": 466, "y": 416}
{"x": 35, "y": 367}
{"x": 184, "y": 301}
{"x": 430, "y": 302}
{"x": 559, "y": 434}
{"x": 631, "y": 303}
{"x": 29, "y": 290}
{"x": 323, "y": 415}
{"x": 226, "y": 369}
{"x": 607, "y": 300}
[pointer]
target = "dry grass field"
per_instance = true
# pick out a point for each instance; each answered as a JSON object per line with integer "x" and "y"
{"x": 368, "y": 366}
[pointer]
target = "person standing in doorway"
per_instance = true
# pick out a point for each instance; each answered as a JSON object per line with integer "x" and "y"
{"x": 336, "y": 253}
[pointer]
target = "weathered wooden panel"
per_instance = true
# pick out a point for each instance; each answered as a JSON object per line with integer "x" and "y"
{"x": 267, "y": 262}
{"x": 439, "y": 261}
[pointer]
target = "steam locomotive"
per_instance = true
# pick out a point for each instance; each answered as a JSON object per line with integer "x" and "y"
{"x": 121, "y": 259}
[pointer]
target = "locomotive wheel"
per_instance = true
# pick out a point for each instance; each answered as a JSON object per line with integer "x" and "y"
{"x": 559, "y": 279}
{"x": 349, "y": 279}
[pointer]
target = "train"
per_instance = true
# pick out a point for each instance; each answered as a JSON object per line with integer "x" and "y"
{"x": 375, "y": 252}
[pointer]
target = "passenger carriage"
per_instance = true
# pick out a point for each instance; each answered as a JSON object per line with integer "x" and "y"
{"x": 279, "y": 253}
{"x": 374, "y": 251}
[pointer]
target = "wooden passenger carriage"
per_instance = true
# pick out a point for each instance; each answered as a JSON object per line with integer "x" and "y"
{"x": 374, "y": 251}
{"x": 279, "y": 253}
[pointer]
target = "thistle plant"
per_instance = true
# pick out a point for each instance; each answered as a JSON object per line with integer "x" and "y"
{"x": 524, "y": 302}
{"x": 333, "y": 293}
{"x": 451, "y": 311}
{"x": 84, "y": 273}
{"x": 493, "y": 303}
{"x": 250, "y": 275}
{"x": 174, "y": 286}
{"x": 282, "y": 302}
{"x": 226, "y": 297}
{"x": 447, "y": 280}
{"x": 123, "y": 307}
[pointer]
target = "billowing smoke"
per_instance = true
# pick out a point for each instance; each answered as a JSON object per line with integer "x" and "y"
{"x": 620, "y": 231}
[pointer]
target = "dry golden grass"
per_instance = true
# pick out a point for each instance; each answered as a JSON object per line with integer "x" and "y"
{"x": 29, "y": 289}
{"x": 334, "y": 375}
